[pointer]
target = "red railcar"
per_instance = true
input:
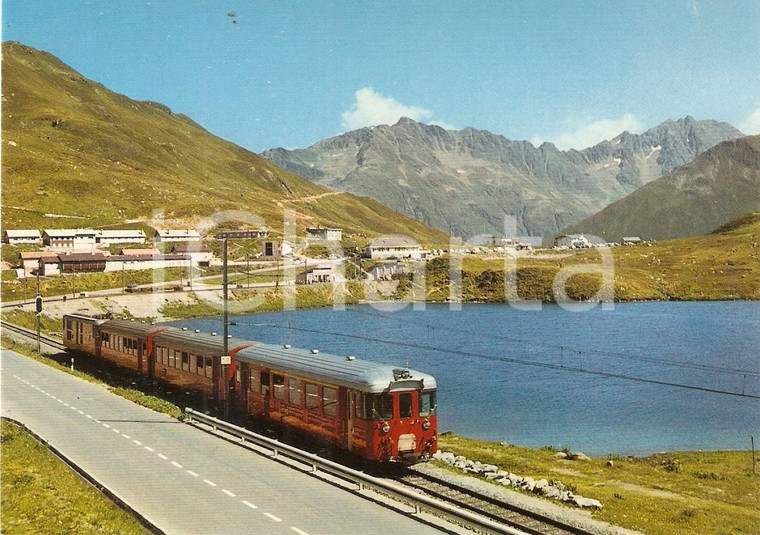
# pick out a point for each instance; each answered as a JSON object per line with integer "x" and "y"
{"x": 377, "y": 412}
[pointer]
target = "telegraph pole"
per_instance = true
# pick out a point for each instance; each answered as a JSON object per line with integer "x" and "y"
{"x": 38, "y": 305}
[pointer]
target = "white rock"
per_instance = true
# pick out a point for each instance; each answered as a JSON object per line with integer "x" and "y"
{"x": 582, "y": 501}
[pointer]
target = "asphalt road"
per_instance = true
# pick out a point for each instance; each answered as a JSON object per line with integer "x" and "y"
{"x": 181, "y": 479}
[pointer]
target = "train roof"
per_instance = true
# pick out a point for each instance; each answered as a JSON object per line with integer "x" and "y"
{"x": 359, "y": 374}
{"x": 130, "y": 327}
{"x": 199, "y": 342}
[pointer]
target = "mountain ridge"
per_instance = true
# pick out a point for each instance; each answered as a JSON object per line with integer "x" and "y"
{"x": 76, "y": 153}
{"x": 466, "y": 181}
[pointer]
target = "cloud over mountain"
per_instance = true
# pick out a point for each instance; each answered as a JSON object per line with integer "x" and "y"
{"x": 371, "y": 108}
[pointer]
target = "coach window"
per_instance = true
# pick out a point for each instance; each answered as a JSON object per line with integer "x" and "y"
{"x": 237, "y": 374}
{"x": 185, "y": 361}
{"x": 199, "y": 364}
{"x": 278, "y": 386}
{"x": 254, "y": 378}
{"x": 329, "y": 401}
{"x": 265, "y": 383}
{"x": 378, "y": 407}
{"x": 312, "y": 396}
{"x": 405, "y": 406}
{"x": 358, "y": 406}
{"x": 427, "y": 404}
{"x": 295, "y": 387}
{"x": 209, "y": 368}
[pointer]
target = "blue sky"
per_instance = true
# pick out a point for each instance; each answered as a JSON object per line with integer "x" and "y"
{"x": 272, "y": 73}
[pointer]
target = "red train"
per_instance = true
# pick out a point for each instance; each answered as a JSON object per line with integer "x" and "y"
{"x": 376, "y": 412}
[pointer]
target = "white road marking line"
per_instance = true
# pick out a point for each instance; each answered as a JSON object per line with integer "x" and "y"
{"x": 126, "y": 436}
{"x": 210, "y": 483}
{"x": 228, "y": 493}
{"x": 106, "y": 425}
{"x": 96, "y": 420}
{"x": 60, "y": 401}
{"x": 272, "y": 517}
{"x": 164, "y": 457}
{"x": 88, "y": 416}
{"x": 191, "y": 473}
{"x": 66, "y": 404}
{"x": 149, "y": 449}
{"x": 299, "y": 531}
{"x": 249, "y": 504}
{"x": 80, "y": 412}
{"x": 116, "y": 431}
{"x": 175, "y": 463}
{"x": 137, "y": 442}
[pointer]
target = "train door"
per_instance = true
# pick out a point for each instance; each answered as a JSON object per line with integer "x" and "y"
{"x": 407, "y": 439}
{"x": 350, "y": 408}
{"x": 344, "y": 415}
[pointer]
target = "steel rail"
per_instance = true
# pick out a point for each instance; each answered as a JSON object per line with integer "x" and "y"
{"x": 362, "y": 480}
{"x": 53, "y": 342}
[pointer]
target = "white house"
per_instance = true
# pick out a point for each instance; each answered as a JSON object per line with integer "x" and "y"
{"x": 181, "y": 235}
{"x": 21, "y": 237}
{"x": 75, "y": 239}
{"x": 111, "y": 237}
{"x": 277, "y": 249}
{"x": 327, "y": 234}
{"x": 136, "y": 262}
{"x": 316, "y": 275}
{"x": 387, "y": 247}
{"x": 30, "y": 260}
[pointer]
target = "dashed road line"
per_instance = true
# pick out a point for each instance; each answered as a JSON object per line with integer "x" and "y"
{"x": 272, "y": 517}
{"x": 249, "y": 504}
{"x": 191, "y": 473}
{"x": 149, "y": 449}
{"x": 300, "y": 532}
{"x": 164, "y": 457}
{"x": 209, "y": 483}
{"x": 106, "y": 426}
{"x": 116, "y": 431}
{"x": 126, "y": 436}
{"x": 175, "y": 463}
{"x": 228, "y": 493}
{"x": 137, "y": 442}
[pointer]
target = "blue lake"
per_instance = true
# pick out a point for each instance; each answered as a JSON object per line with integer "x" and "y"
{"x": 642, "y": 378}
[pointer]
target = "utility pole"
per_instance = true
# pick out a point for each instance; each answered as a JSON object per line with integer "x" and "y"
{"x": 38, "y": 304}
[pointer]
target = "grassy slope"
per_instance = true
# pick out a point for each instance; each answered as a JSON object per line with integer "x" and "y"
{"x": 72, "y": 147}
{"x": 719, "y": 185}
{"x": 666, "y": 494}
{"x": 40, "y": 494}
{"x": 722, "y": 265}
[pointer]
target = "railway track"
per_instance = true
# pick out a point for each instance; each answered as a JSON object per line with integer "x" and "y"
{"x": 459, "y": 497}
{"x": 517, "y": 517}
{"x": 47, "y": 340}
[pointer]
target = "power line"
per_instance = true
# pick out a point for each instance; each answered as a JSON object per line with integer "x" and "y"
{"x": 513, "y": 360}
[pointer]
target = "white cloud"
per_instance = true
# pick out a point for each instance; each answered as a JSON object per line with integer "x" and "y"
{"x": 371, "y": 108}
{"x": 751, "y": 125}
{"x": 581, "y": 136}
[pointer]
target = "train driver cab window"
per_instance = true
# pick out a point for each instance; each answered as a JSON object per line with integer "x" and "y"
{"x": 378, "y": 407}
{"x": 428, "y": 404}
{"x": 278, "y": 386}
{"x": 312, "y": 397}
{"x": 329, "y": 401}
{"x": 265, "y": 383}
{"x": 405, "y": 406}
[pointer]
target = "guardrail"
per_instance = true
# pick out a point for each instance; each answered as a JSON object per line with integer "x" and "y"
{"x": 362, "y": 480}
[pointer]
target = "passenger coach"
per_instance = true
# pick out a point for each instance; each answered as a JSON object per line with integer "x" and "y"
{"x": 377, "y": 412}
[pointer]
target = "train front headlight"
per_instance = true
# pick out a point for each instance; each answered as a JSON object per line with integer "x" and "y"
{"x": 426, "y": 425}
{"x": 386, "y": 427}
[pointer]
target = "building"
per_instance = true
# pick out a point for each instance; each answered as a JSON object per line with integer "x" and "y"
{"x": 316, "y": 275}
{"x": 387, "y": 247}
{"x": 140, "y": 252}
{"x": 200, "y": 255}
{"x": 277, "y": 249}
{"x": 22, "y": 237}
{"x": 327, "y": 234}
{"x": 384, "y": 272}
{"x": 134, "y": 262}
{"x": 105, "y": 238}
{"x": 77, "y": 239}
{"x": 172, "y": 236}
{"x": 30, "y": 261}
{"x": 82, "y": 262}
{"x": 631, "y": 240}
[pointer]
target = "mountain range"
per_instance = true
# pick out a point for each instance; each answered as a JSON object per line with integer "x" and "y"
{"x": 76, "y": 154}
{"x": 466, "y": 181}
{"x": 720, "y": 185}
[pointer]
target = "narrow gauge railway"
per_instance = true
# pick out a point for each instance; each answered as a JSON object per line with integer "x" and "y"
{"x": 374, "y": 412}
{"x": 518, "y": 517}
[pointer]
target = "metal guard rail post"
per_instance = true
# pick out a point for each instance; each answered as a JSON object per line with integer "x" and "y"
{"x": 362, "y": 480}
